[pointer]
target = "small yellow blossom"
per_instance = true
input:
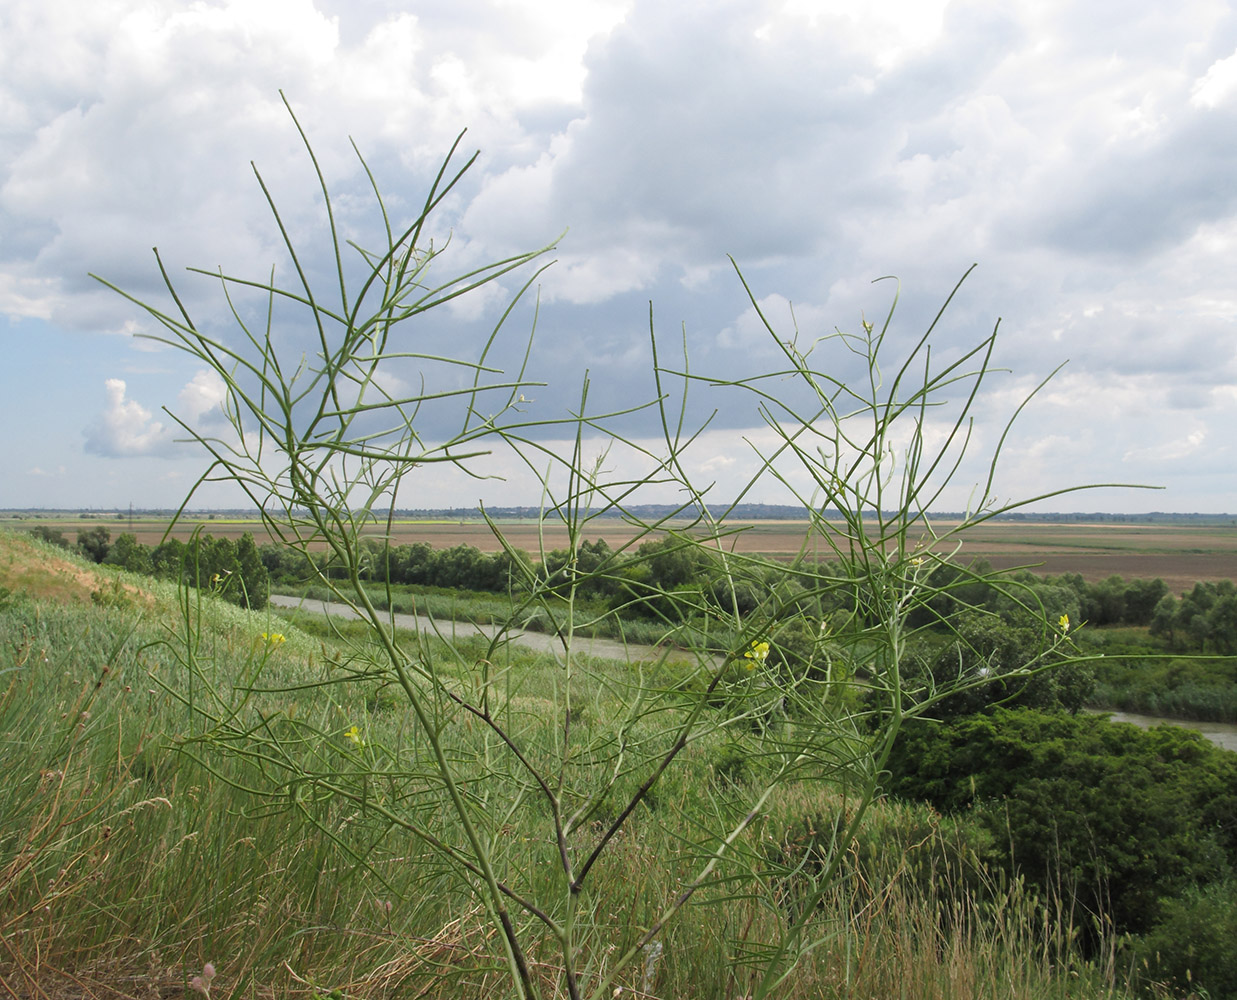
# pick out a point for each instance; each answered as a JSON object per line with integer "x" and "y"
{"x": 1063, "y": 621}
{"x": 354, "y": 735}
{"x": 917, "y": 561}
{"x": 274, "y": 638}
{"x": 757, "y": 654}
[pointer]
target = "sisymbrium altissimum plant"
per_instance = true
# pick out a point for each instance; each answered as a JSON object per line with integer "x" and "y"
{"x": 325, "y": 446}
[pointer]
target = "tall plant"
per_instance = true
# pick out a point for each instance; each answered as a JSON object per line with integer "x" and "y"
{"x": 324, "y": 447}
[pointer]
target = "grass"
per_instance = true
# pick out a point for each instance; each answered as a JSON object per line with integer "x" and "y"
{"x": 132, "y": 852}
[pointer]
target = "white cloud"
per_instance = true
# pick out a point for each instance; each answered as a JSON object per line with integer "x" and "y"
{"x": 1169, "y": 451}
{"x": 125, "y": 428}
{"x": 1083, "y": 160}
{"x": 202, "y": 398}
{"x": 1217, "y": 85}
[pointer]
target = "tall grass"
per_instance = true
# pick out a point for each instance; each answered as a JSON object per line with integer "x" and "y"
{"x": 132, "y": 853}
{"x": 123, "y": 858}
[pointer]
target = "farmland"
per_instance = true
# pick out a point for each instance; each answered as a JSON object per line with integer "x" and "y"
{"x": 1180, "y": 554}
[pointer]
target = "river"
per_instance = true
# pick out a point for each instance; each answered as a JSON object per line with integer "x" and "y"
{"x": 1220, "y": 733}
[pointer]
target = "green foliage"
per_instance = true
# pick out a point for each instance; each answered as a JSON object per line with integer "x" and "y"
{"x": 53, "y": 536}
{"x": 1186, "y": 688}
{"x": 984, "y": 652}
{"x": 1192, "y": 942}
{"x": 234, "y": 570}
{"x": 94, "y": 543}
{"x": 1204, "y": 619}
{"x": 129, "y": 554}
{"x": 1141, "y": 598}
{"x": 1116, "y": 601}
{"x": 1123, "y": 817}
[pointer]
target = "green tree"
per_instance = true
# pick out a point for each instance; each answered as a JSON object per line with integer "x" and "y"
{"x": 167, "y": 559}
{"x": 1141, "y": 599}
{"x": 413, "y": 564}
{"x": 128, "y": 553}
{"x": 93, "y": 544}
{"x": 1104, "y": 603}
{"x": 53, "y": 536}
{"x": 1125, "y": 818}
{"x": 1222, "y": 625}
{"x": 283, "y": 566}
{"x": 234, "y": 570}
{"x": 1163, "y": 624}
{"x": 252, "y": 572}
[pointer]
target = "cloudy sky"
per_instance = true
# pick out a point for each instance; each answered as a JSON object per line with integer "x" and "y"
{"x": 1082, "y": 154}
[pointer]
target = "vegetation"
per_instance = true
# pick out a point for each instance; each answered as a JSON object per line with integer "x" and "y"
{"x": 1136, "y": 634}
{"x": 379, "y": 812}
{"x": 234, "y": 569}
{"x": 1128, "y": 818}
{"x": 135, "y": 849}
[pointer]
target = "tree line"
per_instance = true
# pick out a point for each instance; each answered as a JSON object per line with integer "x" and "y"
{"x": 234, "y": 569}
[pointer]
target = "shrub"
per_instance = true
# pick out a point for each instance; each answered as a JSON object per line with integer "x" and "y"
{"x": 1123, "y": 817}
{"x": 1193, "y": 943}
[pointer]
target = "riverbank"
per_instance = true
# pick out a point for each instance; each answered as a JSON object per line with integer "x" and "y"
{"x": 541, "y": 642}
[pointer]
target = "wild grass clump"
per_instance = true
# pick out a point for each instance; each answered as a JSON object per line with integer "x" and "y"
{"x": 119, "y": 855}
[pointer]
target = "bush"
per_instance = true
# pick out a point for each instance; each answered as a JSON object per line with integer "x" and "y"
{"x": 1124, "y": 817}
{"x": 1194, "y": 943}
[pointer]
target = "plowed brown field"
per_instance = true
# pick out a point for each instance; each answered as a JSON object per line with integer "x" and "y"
{"x": 1181, "y": 555}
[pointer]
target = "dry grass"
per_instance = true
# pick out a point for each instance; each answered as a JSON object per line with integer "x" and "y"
{"x": 35, "y": 569}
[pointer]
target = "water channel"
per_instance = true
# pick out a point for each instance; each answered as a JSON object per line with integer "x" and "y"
{"x": 1221, "y": 733}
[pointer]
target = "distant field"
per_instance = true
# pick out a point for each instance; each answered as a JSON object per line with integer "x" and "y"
{"x": 1180, "y": 555}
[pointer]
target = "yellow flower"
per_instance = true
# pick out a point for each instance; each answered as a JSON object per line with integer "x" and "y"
{"x": 354, "y": 735}
{"x": 757, "y": 654}
{"x": 1063, "y": 621}
{"x": 274, "y": 638}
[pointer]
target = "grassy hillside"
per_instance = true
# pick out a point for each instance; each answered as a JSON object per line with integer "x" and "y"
{"x": 148, "y": 827}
